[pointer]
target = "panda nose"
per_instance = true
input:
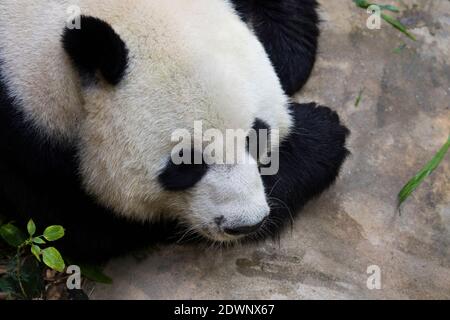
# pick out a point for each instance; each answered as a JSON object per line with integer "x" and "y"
{"x": 243, "y": 230}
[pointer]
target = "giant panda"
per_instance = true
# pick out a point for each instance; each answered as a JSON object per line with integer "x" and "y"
{"x": 87, "y": 116}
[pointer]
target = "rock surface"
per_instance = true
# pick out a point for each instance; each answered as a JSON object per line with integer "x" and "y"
{"x": 402, "y": 120}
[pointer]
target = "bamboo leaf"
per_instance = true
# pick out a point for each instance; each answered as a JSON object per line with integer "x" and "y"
{"x": 389, "y": 8}
{"x": 362, "y": 3}
{"x": 95, "y": 274}
{"x": 389, "y": 19}
{"x": 428, "y": 169}
{"x": 398, "y": 25}
{"x": 365, "y": 4}
{"x": 359, "y": 98}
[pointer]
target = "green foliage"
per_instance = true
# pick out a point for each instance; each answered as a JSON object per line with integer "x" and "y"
{"x": 31, "y": 227}
{"x": 389, "y": 8}
{"x": 51, "y": 256}
{"x": 389, "y": 19}
{"x": 12, "y": 235}
{"x": 95, "y": 274}
{"x": 366, "y": 4}
{"x": 53, "y": 259}
{"x": 23, "y": 279}
{"x": 398, "y": 25}
{"x": 36, "y": 251}
{"x": 359, "y": 98}
{"x": 428, "y": 169}
{"x": 38, "y": 241}
{"x": 53, "y": 233}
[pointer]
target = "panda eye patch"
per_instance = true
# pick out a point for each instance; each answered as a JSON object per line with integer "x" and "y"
{"x": 180, "y": 177}
{"x": 257, "y": 146}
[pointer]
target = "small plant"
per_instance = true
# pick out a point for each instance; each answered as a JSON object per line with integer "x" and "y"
{"x": 23, "y": 276}
{"x": 26, "y": 260}
{"x": 50, "y": 255}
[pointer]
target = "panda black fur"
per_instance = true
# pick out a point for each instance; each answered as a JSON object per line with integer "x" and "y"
{"x": 40, "y": 170}
{"x": 289, "y": 31}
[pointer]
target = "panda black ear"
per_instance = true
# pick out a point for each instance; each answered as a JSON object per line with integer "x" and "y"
{"x": 96, "y": 47}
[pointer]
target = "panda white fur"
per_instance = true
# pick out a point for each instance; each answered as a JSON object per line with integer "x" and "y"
{"x": 87, "y": 116}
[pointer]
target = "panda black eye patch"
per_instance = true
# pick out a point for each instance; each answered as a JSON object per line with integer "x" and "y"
{"x": 180, "y": 177}
{"x": 257, "y": 126}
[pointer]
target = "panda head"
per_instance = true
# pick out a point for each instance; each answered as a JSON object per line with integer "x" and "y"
{"x": 143, "y": 78}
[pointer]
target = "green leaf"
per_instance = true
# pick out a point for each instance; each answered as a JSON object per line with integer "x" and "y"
{"x": 400, "y": 48}
{"x": 391, "y": 20}
{"x": 38, "y": 240}
{"x": 31, "y": 227}
{"x": 389, "y": 8}
{"x": 362, "y": 3}
{"x": 36, "y": 251}
{"x": 365, "y": 4}
{"x": 398, "y": 25}
{"x": 94, "y": 273}
{"x": 12, "y": 235}
{"x": 412, "y": 185}
{"x": 53, "y": 259}
{"x": 359, "y": 98}
{"x": 54, "y": 233}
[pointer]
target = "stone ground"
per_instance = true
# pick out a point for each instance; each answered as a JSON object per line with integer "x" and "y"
{"x": 402, "y": 120}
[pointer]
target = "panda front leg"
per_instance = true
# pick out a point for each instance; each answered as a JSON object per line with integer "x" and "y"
{"x": 310, "y": 158}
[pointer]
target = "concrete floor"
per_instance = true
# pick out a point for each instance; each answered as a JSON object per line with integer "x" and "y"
{"x": 403, "y": 119}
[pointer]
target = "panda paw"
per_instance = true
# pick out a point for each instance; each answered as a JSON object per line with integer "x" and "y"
{"x": 310, "y": 159}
